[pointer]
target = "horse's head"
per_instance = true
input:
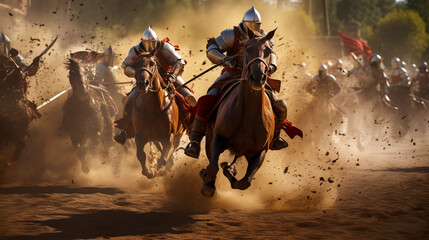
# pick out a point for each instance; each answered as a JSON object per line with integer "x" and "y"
{"x": 77, "y": 80}
{"x": 258, "y": 53}
{"x": 146, "y": 73}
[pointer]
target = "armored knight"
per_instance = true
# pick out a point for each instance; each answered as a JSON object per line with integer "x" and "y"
{"x": 232, "y": 41}
{"x": 104, "y": 70}
{"x": 338, "y": 70}
{"x": 399, "y": 75}
{"x": 423, "y": 81}
{"x": 323, "y": 85}
{"x": 166, "y": 58}
{"x": 6, "y": 50}
{"x": 377, "y": 73}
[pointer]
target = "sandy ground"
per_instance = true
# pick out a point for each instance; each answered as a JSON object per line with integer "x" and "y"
{"x": 321, "y": 187}
{"x": 385, "y": 197}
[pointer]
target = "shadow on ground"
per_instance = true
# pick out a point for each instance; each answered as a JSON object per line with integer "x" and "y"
{"x": 414, "y": 169}
{"x": 113, "y": 223}
{"x": 58, "y": 189}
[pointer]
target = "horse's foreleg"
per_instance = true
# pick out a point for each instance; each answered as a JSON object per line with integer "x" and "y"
{"x": 141, "y": 156}
{"x": 253, "y": 165}
{"x": 166, "y": 146}
{"x": 209, "y": 174}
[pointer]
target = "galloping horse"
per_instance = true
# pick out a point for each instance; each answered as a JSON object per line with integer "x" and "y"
{"x": 244, "y": 122}
{"x": 87, "y": 118}
{"x": 155, "y": 115}
{"x": 16, "y": 111}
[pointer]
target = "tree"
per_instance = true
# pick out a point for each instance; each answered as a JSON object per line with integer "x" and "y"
{"x": 422, "y": 7}
{"x": 400, "y": 34}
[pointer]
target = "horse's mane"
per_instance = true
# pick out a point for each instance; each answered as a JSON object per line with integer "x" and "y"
{"x": 74, "y": 70}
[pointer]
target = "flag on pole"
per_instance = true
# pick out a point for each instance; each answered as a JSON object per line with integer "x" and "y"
{"x": 355, "y": 46}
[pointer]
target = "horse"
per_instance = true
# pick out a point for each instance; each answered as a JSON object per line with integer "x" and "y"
{"x": 16, "y": 112}
{"x": 244, "y": 122}
{"x": 155, "y": 116}
{"x": 87, "y": 119}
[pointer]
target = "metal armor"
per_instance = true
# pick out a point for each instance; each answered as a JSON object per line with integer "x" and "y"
{"x": 323, "y": 84}
{"x": 150, "y": 40}
{"x": 225, "y": 42}
{"x": 5, "y": 45}
{"x": 109, "y": 56}
{"x": 252, "y": 19}
{"x": 104, "y": 74}
{"x": 399, "y": 76}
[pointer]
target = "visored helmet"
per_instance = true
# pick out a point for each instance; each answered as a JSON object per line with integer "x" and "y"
{"x": 150, "y": 40}
{"x": 323, "y": 71}
{"x": 423, "y": 67}
{"x": 375, "y": 60}
{"x": 396, "y": 62}
{"x": 109, "y": 56}
{"x": 252, "y": 19}
{"x": 5, "y": 44}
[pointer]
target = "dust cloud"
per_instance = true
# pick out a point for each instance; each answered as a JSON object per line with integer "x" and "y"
{"x": 306, "y": 175}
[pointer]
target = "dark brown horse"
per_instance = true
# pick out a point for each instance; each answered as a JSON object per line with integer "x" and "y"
{"x": 244, "y": 123}
{"x": 16, "y": 112}
{"x": 87, "y": 118}
{"x": 155, "y": 116}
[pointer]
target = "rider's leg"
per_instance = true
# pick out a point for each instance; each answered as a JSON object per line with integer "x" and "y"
{"x": 121, "y": 136}
{"x": 280, "y": 110}
{"x": 204, "y": 106}
{"x": 186, "y": 93}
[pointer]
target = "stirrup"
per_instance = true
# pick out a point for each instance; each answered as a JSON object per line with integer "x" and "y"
{"x": 198, "y": 145}
{"x": 121, "y": 140}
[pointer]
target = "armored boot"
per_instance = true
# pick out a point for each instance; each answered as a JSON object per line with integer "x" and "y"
{"x": 280, "y": 111}
{"x": 121, "y": 136}
{"x": 198, "y": 131}
{"x": 188, "y": 95}
{"x": 204, "y": 106}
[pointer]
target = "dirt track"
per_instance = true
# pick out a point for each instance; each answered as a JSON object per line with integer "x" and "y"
{"x": 373, "y": 202}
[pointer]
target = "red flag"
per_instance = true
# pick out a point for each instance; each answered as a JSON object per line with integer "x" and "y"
{"x": 355, "y": 46}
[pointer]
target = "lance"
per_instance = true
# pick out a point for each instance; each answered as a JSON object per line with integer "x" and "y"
{"x": 53, "y": 98}
{"x": 204, "y": 72}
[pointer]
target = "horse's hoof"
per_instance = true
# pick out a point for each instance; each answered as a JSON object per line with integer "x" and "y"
{"x": 208, "y": 191}
{"x": 161, "y": 163}
{"x": 224, "y": 165}
{"x": 149, "y": 174}
{"x": 242, "y": 185}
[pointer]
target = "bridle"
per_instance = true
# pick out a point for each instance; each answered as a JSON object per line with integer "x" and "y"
{"x": 256, "y": 59}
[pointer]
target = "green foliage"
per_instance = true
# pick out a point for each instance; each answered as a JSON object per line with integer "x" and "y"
{"x": 367, "y": 12}
{"x": 400, "y": 33}
{"x": 422, "y": 7}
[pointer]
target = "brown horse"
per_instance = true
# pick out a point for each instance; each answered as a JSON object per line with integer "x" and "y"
{"x": 244, "y": 122}
{"x": 16, "y": 111}
{"x": 155, "y": 115}
{"x": 87, "y": 118}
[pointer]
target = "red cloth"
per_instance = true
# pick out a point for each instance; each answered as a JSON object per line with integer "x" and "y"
{"x": 396, "y": 79}
{"x": 355, "y": 46}
{"x": 423, "y": 80}
{"x": 291, "y": 130}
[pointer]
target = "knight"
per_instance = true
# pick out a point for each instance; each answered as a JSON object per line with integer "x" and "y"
{"x": 170, "y": 64}
{"x": 232, "y": 42}
{"x": 104, "y": 70}
{"x": 399, "y": 75}
{"x": 377, "y": 73}
{"x": 7, "y": 50}
{"x": 323, "y": 85}
{"x": 423, "y": 80}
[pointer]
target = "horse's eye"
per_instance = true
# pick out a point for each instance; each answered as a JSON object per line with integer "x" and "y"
{"x": 267, "y": 52}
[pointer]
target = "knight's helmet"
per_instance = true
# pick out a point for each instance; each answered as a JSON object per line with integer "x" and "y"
{"x": 150, "y": 40}
{"x": 423, "y": 68}
{"x": 323, "y": 71}
{"x": 396, "y": 63}
{"x": 4, "y": 44}
{"x": 403, "y": 64}
{"x": 375, "y": 60}
{"x": 109, "y": 56}
{"x": 252, "y": 19}
{"x": 339, "y": 64}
